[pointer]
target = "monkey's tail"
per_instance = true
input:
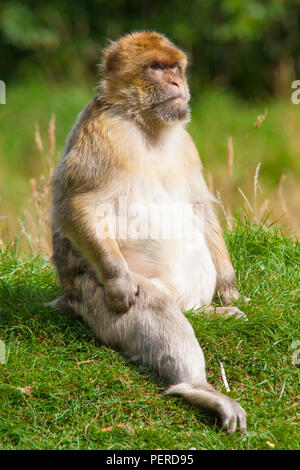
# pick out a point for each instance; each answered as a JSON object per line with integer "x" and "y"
{"x": 204, "y": 395}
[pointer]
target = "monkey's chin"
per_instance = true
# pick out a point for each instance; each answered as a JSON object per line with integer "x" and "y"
{"x": 173, "y": 110}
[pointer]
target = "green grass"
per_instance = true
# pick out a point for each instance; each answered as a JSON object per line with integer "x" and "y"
{"x": 79, "y": 388}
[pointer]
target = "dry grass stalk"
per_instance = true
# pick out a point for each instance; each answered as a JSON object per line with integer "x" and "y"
{"x": 255, "y": 185}
{"x": 230, "y": 156}
{"x": 51, "y": 139}
{"x": 226, "y": 215}
{"x": 255, "y": 182}
{"x": 35, "y": 226}
{"x": 260, "y": 119}
{"x": 246, "y": 201}
{"x": 263, "y": 208}
{"x": 38, "y": 139}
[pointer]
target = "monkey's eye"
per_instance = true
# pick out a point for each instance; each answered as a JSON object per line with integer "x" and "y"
{"x": 175, "y": 68}
{"x": 155, "y": 66}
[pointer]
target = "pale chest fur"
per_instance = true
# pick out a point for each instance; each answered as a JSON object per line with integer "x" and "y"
{"x": 164, "y": 238}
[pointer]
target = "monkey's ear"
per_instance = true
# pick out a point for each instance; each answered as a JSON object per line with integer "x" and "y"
{"x": 111, "y": 56}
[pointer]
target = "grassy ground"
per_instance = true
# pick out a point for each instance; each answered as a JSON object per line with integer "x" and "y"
{"x": 60, "y": 389}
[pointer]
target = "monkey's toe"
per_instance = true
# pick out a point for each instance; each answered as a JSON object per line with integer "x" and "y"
{"x": 235, "y": 312}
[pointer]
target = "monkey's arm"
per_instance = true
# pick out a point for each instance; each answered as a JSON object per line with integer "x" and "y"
{"x": 226, "y": 279}
{"x": 81, "y": 226}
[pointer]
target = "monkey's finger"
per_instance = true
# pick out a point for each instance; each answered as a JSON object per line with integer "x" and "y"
{"x": 242, "y": 423}
{"x": 232, "y": 425}
{"x": 229, "y": 424}
{"x": 241, "y": 416}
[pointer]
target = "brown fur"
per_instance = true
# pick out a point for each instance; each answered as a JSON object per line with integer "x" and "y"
{"x": 130, "y": 141}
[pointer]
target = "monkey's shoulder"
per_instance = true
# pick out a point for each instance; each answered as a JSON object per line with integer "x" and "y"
{"x": 92, "y": 155}
{"x": 88, "y": 128}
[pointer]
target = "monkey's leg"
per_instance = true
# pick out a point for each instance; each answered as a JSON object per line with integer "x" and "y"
{"x": 155, "y": 333}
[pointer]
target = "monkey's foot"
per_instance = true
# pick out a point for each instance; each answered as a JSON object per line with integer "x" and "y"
{"x": 226, "y": 312}
{"x": 232, "y": 415}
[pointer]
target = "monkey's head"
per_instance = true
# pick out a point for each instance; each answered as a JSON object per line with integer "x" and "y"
{"x": 144, "y": 75}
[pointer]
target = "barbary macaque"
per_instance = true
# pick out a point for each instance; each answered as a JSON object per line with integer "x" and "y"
{"x": 130, "y": 144}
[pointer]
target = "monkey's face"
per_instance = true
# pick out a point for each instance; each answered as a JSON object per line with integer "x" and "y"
{"x": 167, "y": 91}
{"x": 144, "y": 74}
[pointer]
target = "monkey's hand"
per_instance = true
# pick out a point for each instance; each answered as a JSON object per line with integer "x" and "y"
{"x": 121, "y": 293}
{"x": 228, "y": 294}
{"x": 226, "y": 284}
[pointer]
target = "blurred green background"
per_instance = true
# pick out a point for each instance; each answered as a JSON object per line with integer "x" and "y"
{"x": 244, "y": 56}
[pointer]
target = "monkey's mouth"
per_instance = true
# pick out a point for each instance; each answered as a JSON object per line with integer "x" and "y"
{"x": 177, "y": 99}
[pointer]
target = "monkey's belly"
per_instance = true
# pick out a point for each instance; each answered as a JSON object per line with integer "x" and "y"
{"x": 178, "y": 267}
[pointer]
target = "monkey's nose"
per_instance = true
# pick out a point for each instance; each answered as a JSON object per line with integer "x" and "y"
{"x": 173, "y": 82}
{"x": 177, "y": 84}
